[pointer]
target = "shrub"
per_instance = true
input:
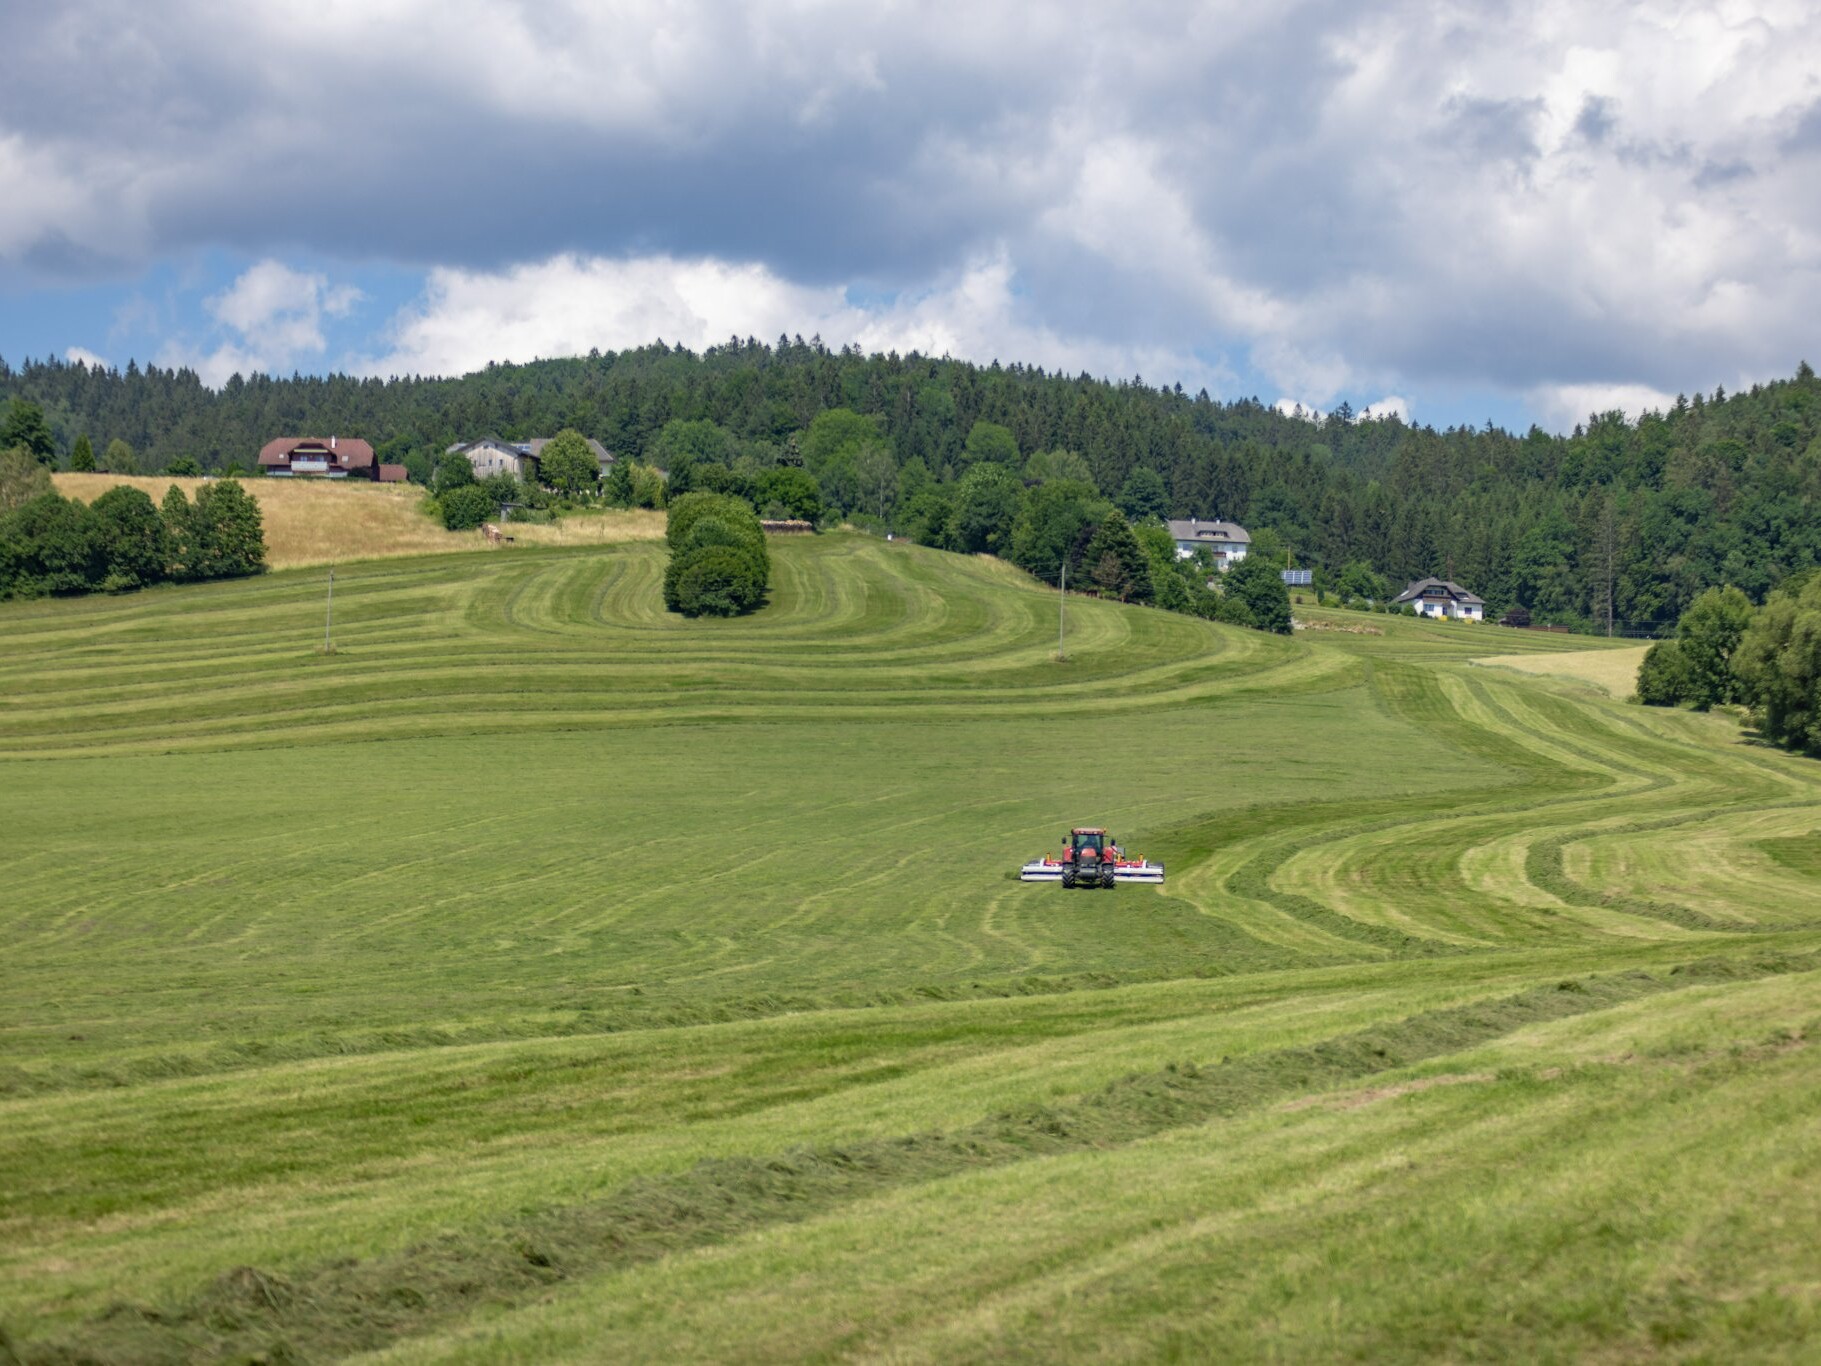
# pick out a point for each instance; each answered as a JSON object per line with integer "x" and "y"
{"x": 1664, "y": 679}
{"x": 719, "y": 565}
{"x": 716, "y": 581}
{"x": 467, "y": 506}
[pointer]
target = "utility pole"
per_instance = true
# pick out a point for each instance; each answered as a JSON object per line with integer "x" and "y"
{"x": 328, "y": 621}
{"x": 1062, "y": 611}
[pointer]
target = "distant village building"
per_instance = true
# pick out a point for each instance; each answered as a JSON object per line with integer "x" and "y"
{"x": 1440, "y": 598}
{"x": 489, "y": 456}
{"x": 1228, "y": 542}
{"x": 334, "y": 457}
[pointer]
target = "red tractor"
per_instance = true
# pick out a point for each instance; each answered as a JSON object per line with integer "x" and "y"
{"x": 1091, "y": 858}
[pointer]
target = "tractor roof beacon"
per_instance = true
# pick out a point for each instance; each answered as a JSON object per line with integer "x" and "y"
{"x": 1090, "y": 858}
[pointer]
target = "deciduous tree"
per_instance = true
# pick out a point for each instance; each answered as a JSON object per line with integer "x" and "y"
{"x": 567, "y": 463}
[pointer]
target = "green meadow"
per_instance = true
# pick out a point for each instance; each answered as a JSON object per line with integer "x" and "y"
{"x": 539, "y": 976}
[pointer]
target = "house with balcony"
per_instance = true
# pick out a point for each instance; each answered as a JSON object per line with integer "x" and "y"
{"x": 1441, "y": 598}
{"x": 333, "y": 457}
{"x": 1227, "y": 542}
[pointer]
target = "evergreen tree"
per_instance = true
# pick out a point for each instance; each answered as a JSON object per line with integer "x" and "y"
{"x": 82, "y": 455}
{"x": 1116, "y": 562}
{"x": 1143, "y": 494}
{"x": 25, "y": 426}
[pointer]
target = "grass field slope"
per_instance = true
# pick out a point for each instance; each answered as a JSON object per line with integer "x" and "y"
{"x": 543, "y": 977}
{"x": 322, "y": 521}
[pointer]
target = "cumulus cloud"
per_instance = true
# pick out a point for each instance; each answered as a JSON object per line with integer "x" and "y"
{"x": 81, "y": 355}
{"x": 1561, "y": 406}
{"x": 269, "y": 320}
{"x": 1326, "y": 198}
{"x": 1387, "y": 407}
{"x": 570, "y": 304}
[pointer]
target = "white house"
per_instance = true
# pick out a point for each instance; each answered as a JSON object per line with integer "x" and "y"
{"x": 1228, "y": 542}
{"x": 1440, "y": 598}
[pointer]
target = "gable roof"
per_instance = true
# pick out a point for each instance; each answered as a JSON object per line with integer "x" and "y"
{"x": 1453, "y": 590}
{"x": 537, "y": 444}
{"x": 1195, "y": 529}
{"x": 348, "y": 452}
{"x": 467, "y": 447}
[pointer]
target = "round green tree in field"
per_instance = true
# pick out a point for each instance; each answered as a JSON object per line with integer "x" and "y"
{"x": 1255, "y": 584}
{"x": 567, "y": 464}
{"x": 719, "y": 565}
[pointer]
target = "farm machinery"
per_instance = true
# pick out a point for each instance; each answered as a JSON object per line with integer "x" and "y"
{"x": 1090, "y": 859}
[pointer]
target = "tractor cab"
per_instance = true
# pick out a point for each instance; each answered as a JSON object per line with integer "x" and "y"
{"x": 1088, "y": 837}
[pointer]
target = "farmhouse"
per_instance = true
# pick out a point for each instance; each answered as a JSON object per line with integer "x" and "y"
{"x": 603, "y": 459}
{"x": 1228, "y": 542}
{"x": 1440, "y": 598}
{"x": 489, "y": 456}
{"x": 335, "y": 457}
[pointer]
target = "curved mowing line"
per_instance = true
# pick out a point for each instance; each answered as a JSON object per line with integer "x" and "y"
{"x": 559, "y": 640}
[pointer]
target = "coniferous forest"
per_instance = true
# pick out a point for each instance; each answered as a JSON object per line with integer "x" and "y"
{"x": 1620, "y": 522}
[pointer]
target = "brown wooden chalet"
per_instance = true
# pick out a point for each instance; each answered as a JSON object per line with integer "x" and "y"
{"x": 334, "y": 457}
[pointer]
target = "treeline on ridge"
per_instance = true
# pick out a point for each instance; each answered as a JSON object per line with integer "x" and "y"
{"x": 1620, "y": 522}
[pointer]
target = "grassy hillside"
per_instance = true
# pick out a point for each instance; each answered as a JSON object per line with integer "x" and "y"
{"x": 311, "y": 521}
{"x": 542, "y": 977}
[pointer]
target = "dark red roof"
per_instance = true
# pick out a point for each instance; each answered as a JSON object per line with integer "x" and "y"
{"x": 349, "y": 452}
{"x": 391, "y": 474}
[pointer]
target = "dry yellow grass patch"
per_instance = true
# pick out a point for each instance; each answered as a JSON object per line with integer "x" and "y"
{"x": 1616, "y": 671}
{"x": 309, "y": 521}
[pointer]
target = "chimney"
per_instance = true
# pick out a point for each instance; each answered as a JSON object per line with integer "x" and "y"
{"x": 331, "y": 443}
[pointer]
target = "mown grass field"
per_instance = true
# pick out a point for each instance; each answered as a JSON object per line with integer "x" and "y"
{"x": 541, "y": 977}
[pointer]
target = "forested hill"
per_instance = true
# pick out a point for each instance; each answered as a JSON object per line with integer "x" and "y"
{"x": 1721, "y": 489}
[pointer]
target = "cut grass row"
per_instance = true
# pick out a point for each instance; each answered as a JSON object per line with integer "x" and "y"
{"x": 531, "y": 900}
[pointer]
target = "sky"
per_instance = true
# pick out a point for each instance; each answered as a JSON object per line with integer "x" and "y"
{"x": 1457, "y": 212}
